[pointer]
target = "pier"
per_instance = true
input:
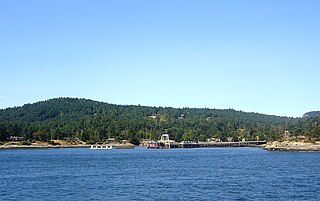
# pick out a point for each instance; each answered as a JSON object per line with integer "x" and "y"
{"x": 221, "y": 144}
{"x": 166, "y": 143}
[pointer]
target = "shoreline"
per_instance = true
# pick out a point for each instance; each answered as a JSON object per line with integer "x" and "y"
{"x": 47, "y": 146}
{"x": 270, "y": 146}
{"x": 292, "y": 146}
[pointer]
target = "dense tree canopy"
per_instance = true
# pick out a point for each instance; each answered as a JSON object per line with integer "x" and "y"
{"x": 96, "y": 121}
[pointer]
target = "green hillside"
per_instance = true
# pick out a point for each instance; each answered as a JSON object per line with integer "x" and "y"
{"x": 89, "y": 120}
{"x": 311, "y": 114}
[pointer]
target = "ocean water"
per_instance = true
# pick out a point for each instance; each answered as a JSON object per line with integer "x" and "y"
{"x": 165, "y": 174}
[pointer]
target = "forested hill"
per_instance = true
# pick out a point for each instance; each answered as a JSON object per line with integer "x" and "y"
{"x": 311, "y": 114}
{"x": 89, "y": 120}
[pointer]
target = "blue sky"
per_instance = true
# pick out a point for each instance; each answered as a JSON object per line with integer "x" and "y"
{"x": 250, "y": 55}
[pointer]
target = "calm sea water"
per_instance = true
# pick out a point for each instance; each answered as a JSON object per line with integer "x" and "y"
{"x": 168, "y": 174}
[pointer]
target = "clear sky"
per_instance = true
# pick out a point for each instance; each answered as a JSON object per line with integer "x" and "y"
{"x": 249, "y": 55}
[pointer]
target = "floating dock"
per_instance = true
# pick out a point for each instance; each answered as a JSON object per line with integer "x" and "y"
{"x": 101, "y": 147}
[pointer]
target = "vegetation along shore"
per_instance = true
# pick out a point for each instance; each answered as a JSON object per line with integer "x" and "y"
{"x": 58, "y": 144}
{"x": 81, "y": 122}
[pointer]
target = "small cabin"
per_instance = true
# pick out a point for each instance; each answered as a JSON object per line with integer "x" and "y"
{"x": 110, "y": 140}
{"x": 164, "y": 137}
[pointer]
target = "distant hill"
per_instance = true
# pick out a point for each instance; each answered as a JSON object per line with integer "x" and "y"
{"x": 311, "y": 114}
{"x": 70, "y": 118}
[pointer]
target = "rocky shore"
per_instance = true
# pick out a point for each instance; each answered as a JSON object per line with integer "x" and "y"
{"x": 292, "y": 146}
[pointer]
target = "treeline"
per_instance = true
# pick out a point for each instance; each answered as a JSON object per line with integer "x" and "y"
{"x": 89, "y": 120}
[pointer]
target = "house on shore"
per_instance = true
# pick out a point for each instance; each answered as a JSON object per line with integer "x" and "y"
{"x": 110, "y": 140}
{"x": 15, "y": 138}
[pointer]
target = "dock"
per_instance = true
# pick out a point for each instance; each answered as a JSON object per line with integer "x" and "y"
{"x": 101, "y": 147}
{"x": 167, "y": 145}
